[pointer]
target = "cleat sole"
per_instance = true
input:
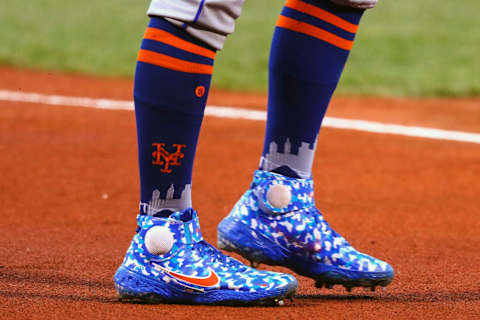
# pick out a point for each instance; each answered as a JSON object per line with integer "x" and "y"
{"x": 366, "y": 283}
{"x": 134, "y": 288}
{"x": 261, "y": 250}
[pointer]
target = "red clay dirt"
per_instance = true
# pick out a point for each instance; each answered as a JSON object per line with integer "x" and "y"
{"x": 69, "y": 193}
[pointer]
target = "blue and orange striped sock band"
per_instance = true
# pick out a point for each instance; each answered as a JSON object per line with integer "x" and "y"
{"x": 175, "y": 50}
{"x": 321, "y": 20}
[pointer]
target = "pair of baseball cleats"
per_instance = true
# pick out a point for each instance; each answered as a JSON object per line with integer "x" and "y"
{"x": 275, "y": 222}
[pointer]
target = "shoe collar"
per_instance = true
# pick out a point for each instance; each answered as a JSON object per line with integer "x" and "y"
{"x": 184, "y": 226}
{"x": 296, "y": 193}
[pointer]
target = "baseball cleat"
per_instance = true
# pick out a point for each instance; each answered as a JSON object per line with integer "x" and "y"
{"x": 276, "y": 223}
{"x": 169, "y": 262}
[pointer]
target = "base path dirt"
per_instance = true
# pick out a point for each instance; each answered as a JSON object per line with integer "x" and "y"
{"x": 69, "y": 194}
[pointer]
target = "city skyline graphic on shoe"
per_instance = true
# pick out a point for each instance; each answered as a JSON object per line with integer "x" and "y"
{"x": 276, "y": 222}
{"x": 169, "y": 262}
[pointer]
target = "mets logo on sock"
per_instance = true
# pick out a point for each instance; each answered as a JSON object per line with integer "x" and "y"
{"x": 162, "y": 157}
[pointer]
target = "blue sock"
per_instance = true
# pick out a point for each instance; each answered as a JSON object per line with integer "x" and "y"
{"x": 309, "y": 50}
{"x": 172, "y": 80}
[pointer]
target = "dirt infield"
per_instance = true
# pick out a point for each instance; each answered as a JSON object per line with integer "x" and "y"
{"x": 69, "y": 195}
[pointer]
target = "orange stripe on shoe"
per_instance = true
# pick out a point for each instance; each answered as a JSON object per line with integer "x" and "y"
{"x": 321, "y": 14}
{"x": 168, "y": 62}
{"x": 174, "y": 41}
{"x": 308, "y": 29}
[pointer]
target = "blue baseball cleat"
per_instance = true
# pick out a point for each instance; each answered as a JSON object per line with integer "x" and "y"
{"x": 169, "y": 262}
{"x": 276, "y": 223}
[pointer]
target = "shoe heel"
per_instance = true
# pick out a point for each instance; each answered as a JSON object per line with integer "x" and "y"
{"x": 132, "y": 288}
{"x": 234, "y": 236}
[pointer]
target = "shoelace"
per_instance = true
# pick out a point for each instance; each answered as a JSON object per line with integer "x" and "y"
{"x": 319, "y": 220}
{"x": 207, "y": 250}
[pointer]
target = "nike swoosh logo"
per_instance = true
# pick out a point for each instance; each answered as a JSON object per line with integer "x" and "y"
{"x": 209, "y": 281}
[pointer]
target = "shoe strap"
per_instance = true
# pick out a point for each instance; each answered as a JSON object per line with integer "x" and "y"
{"x": 191, "y": 231}
{"x": 296, "y": 194}
{"x": 184, "y": 233}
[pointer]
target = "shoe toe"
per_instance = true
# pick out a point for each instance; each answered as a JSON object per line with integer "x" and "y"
{"x": 287, "y": 280}
{"x": 378, "y": 268}
{"x": 274, "y": 281}
{"x": 389, "y": 270}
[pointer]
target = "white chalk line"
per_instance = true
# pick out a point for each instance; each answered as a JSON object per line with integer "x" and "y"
{"x": 241, "y": 113}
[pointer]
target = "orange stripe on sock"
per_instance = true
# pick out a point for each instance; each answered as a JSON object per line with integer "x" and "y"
{"x": 174, "y": 41}
{"x": 168, "y": 62}
{"x": 322, "y": 15}
{"x": 308, "y": 29}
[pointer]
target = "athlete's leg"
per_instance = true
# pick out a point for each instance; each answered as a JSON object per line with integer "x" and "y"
{"x": 171, "y": 88}
{"x": 172, "y": 80}
{"x": 168, "y": 261}
{"x": 210, "y": 21}
{"x": 276, "y": 221}
{"x": 359, "y": 4}
{"x": 309, "y": 49}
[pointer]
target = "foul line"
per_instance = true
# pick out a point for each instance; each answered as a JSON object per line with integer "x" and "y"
{"x": 240, "y": 113}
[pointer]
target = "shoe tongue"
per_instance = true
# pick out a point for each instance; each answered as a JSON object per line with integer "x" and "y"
{"x": 286, "y": 171}
{"x": 164, "y": 213}
{"x": 184, "y": 216}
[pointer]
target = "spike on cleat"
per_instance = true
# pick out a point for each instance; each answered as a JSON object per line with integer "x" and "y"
{"x": 279, "y": 302}
{"x": 254, "y": 264}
